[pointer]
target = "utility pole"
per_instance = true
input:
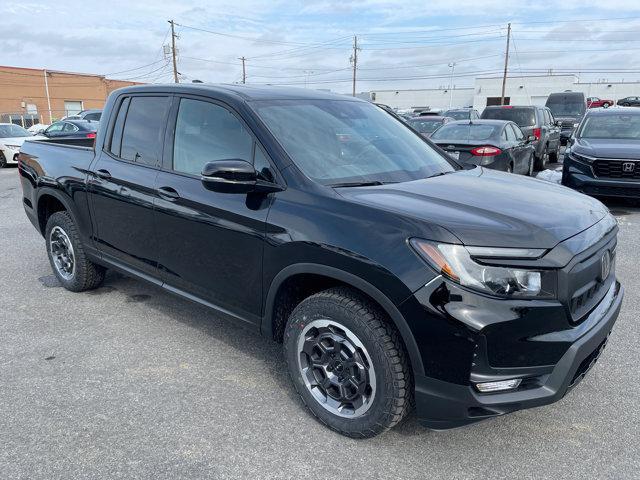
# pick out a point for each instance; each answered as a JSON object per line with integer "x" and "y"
{"x": 354, "y": 60}
{"x": 244, "y": 71}
{"x": 506, "y": 65}
{"x": 452, "y": 65}
{"x": 173, "y": 52}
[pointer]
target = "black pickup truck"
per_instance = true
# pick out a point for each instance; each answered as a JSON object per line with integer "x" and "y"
{"x": 393, "y": 276}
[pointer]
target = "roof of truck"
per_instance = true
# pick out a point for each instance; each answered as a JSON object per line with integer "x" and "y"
{"x": 246, "y": 92}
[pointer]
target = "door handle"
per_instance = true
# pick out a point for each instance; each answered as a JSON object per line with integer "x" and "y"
{"x": 104, "y": 174}
{"x": 168, "y": 193}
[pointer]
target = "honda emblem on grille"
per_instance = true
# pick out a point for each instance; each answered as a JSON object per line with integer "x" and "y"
{"x": 605, "y": 265}
{"x": 628, "y": 167}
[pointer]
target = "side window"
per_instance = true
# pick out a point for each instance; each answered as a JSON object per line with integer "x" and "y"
{"x": 69, "y": 128}
{"x": 143, "y": 134}
{"x": 116, "y": 134}
{"x": 551, "y": 119}
{"x": 55, "y": 128}
{"x": 518, "y": 133}
{"x": 511, "y": 134}
{"x": 504, "y": 134}
{"x": 206, "y": 132}
{"x": 93, "y": 117}
{"x": 262, "y": 165}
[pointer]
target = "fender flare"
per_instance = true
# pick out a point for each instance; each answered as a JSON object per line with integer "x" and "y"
{"x": 58, "y": 195}
{"x": 357, "y": 282}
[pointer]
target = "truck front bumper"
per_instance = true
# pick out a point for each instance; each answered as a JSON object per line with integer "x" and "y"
{"x": 444, "y": 405}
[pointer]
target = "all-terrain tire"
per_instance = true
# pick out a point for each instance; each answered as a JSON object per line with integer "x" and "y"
{"x": 346, "y": 308}
{"x": 86, "y": 275}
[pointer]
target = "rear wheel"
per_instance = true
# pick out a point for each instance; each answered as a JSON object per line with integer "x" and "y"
{"x": 67, "y": 257}
{"x": 543, "y": 159}
{"x": 347, "y": 363}
{"x": 606, "y": 104}
{"x": 532, "y": 160}
{"x": 510, "y": 168}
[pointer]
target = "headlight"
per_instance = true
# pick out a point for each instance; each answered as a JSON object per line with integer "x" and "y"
{"x": 581, "y": 158}
{"x": 456, "y": 262}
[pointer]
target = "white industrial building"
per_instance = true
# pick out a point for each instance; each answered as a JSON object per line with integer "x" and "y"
{"x": 520, "y": 90}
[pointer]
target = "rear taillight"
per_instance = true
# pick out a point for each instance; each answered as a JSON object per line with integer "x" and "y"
{"x": 486, "y": 151}
{"x": 536, "y": 133}
{"x": 91, "y": 135}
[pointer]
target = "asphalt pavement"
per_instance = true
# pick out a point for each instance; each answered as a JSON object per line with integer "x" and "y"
{"x": 130, "y": 382}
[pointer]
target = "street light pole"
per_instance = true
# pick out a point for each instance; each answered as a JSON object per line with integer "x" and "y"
{"x": 452, "y": 65}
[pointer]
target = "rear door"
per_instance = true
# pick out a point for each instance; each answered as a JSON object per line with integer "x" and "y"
{"x": 515, "y": 139}
{"x": 210, "y": 243}
{"x": 553, "y": 129}
{"x": 122, "y": 183}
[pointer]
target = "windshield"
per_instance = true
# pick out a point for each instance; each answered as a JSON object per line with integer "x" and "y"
{"x": 465, "y": 132}
{"x": 11, "y": 131}
{"x": 564, "y": 106}
{"x": 340, "y": 141}
{"x": 457, "y": 114}
{"x": 424, "y": 125}
{"x": 619, "y": 125}
{"x": 524, "y": 117}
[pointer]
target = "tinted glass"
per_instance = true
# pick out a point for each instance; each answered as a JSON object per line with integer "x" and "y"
{"x": 424, "y": 125}
{"x": 94, "y": 117}
{"x": 511, "y": 134}
{"x": 342, "y": 141}
{"x": 143, "y": 133}
{"x": 518, "y": 133}
{"x": 8, "y": 131}
{"x": 618, "y": 125}
{"x": 566, "y": 105}
{"x": 69, "y": 128}
{"x": 457, "y": 114}
{"x": 55, "y": 128}
{"x": 116, "y": 136}
{"x": 465, "y": 132}
{"x": 262, "y": 165}
{"x": 525, "y": 117}
{"x": 206, "y": 132}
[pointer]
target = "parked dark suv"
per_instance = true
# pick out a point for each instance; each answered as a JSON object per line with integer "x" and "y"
{"x": 568, "y": 108}
{"x": 393, "y": 276}
{"x": 603, "y": 158}
{"x": 536, "y": 121}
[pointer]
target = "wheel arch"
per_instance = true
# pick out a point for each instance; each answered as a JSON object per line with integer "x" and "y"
{"x": 334, "y": 276}
{"x": 50, "y": 201}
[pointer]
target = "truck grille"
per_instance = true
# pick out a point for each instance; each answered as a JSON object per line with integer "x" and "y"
{"x": 617, "y": 168}
{"x": 587, "y": 275}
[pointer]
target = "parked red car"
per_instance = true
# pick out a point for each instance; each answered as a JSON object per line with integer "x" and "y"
{"x": 595, "y": 102}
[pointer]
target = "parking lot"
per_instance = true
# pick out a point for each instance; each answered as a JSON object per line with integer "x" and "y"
{"x": 129, "y": 382}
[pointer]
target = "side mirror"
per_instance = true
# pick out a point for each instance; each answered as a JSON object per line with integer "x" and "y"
{"x": 234, "y": 176}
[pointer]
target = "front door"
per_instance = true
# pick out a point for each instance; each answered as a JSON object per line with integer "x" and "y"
{"x": 122, "y": 184}
{"x": 211, "y": 244}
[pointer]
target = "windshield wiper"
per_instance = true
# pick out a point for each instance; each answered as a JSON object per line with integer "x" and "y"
{"x": 358, "y": 184}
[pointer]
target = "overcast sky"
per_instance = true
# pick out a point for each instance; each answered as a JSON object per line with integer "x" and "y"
{"x": 405, "y": 44}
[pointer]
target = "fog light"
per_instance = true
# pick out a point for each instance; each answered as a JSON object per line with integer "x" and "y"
{"x": 498, "y": 386}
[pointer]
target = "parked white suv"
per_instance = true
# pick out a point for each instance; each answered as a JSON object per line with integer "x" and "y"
{"x": 11, "y": 139}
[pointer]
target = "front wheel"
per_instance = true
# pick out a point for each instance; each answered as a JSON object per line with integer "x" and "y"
{"x": 605, "y": 104}
{"x": 347, "y": 363}
{"x": 3, "y": 160}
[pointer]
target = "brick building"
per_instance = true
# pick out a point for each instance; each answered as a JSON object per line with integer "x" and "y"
{"x": 29, "y": 95}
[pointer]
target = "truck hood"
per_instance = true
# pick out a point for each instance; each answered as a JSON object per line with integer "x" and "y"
{"x": 488, "y": 208}
{"x": 607, "y": 148}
